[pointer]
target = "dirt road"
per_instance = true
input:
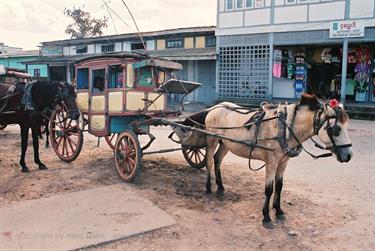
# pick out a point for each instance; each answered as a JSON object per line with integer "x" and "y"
{"x": 328, "y": 205}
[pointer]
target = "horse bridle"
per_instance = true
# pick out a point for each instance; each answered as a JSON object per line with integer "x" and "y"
{"x": 62, "y": 94}
{"x": 332, "y": 130}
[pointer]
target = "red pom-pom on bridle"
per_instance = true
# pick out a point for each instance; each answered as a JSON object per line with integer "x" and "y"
{"x": 333, "y": 103}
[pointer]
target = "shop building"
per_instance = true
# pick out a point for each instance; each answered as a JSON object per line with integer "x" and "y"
{"x": 194, "y": 48}
{"x": 16, "y": 57}
{"x": 278, "y": 49}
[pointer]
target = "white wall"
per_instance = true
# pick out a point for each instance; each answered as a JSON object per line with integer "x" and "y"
{"x": 221, "y": 5}
{"x": 98, "y": 48}
{"x": 72, "y": 50}
{"x": 150, "y": 44}
{"x": 257, "y": 17}
{"x": 90, "y": 48}
{"x": 327, "y": 11}
{"x": 230, "y": 19}
{"x": 118, "y": 46}
{"x": 291, "y": 14}
{"x": 361, "y": 8}
{"x": 126, "y": 46}
{"x": 66, "y": 51}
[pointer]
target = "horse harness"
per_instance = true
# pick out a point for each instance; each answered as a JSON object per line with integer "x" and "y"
{"x": 283, "y": 127}
{"x": 29, "y": 104}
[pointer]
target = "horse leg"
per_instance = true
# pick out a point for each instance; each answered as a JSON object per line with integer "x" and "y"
{"x": 218, "y": 158}
{"x": 24, "y": 136}
{"x": 47, "y": 133}
{"x": 270, "y": 177}
{"x": 211, "y": 147}
{"x": 35, "y": 133}
{"x": 278, "y": 188}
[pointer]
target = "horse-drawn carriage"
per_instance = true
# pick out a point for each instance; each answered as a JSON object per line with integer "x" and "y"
{"x": 120, "y": 97}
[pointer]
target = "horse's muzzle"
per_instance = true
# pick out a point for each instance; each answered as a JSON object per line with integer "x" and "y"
{"x": 344, "y": 155}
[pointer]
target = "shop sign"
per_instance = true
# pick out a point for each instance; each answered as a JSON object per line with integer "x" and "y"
{"x": 342, "y": 29}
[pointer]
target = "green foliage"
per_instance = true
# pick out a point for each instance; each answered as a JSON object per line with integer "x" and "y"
{"x": 83, "y": 25}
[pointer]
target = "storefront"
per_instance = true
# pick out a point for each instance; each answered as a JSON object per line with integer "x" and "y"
{"x": 318, "y": 70}
{"x": 344, "y": 54}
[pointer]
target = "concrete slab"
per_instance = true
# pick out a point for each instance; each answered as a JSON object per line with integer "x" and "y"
{"x": 79, "y": 219}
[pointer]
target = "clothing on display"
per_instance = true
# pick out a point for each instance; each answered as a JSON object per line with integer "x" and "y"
{"x": 350, "y": 86}
{"x": 277, "y": 59}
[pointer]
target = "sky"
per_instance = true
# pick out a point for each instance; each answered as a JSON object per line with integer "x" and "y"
{"x": 26, "y": 23}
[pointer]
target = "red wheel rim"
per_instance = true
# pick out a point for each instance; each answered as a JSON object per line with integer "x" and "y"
{"x": 65, "y": 135}
{"x": 111, "y": 140}
{"x": 127, "y": 156}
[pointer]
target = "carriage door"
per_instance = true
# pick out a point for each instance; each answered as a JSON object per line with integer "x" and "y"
{"x": 98, "y": 124}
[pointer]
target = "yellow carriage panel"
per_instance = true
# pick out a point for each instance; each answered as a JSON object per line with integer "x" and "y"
{"x": 97, "y": 122}
{"x": 115, "y": 101}
{"x": 158, "y": 104}
{"x": 83, "y": 101}
{"x": 134, "y": 101}
{"x": 98, "y": 104}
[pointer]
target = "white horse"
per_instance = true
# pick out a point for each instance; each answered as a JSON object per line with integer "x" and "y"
{"x": 276, "y": 134}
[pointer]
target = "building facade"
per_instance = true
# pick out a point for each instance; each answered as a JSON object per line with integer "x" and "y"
{"x": 269, "y": 49}
{"x": 16, "y": 59}
{"x": 194, "y": 48}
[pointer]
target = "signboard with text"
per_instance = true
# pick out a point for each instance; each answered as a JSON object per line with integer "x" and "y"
{"x": 350, "y": 28}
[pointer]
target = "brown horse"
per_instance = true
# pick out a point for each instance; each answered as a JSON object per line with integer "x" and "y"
{"x": 276, "y": 133}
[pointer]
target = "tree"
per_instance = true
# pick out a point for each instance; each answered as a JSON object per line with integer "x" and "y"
{"x": 83, "y": 25}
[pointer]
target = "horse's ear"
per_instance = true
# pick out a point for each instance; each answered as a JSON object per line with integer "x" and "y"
{"x": 311, "y": 101}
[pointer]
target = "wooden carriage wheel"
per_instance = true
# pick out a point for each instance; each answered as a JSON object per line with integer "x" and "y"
{"x": 195, "y": 156}
{"x": 65, "y": 135}
{"x": 111, "y": 140}
{"x": 128, "y": 155}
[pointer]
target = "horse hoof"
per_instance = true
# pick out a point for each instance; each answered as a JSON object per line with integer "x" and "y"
{"x": 208, "y": 192}
{"x": 25, "y": 170}
{"x": 268, "y": 224}
{"x": 43, "y": 167}
{"x": 281, "y": 217}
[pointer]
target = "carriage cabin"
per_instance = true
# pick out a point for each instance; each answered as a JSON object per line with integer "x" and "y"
{"x": 115, "y": 90}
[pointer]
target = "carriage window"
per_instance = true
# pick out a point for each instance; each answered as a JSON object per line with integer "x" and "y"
{"x": 98, "y": 80}
{"x": 144, "y": 77}
{"x": 115, "y": 76}
{"x": 83, "y": 78}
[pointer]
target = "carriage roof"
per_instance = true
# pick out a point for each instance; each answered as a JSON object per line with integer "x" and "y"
{"x": 139, "y": 60}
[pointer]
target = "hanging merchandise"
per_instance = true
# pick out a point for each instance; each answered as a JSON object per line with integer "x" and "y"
{"x": 290, "y": 69}
{"x": 326, "y": 55}
{"x": 300, "y": 73}
{"x": 362, "y": 76}
{"x": 277, "y": 59}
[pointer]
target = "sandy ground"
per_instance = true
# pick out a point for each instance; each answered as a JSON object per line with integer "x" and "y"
{"x": 329, "y": 206}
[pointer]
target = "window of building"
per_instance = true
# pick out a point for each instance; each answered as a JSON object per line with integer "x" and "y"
{"x": 259, "y": 3}
{"x": 175, "y": 43}
{"x": 239, "y": 4}
{"x": 302, "y": 1}
{"x": 116, "y": 77}
{"x": 229, "y": 4}
{"x": 290, "y": 1}
{"x": 249, "y": 3}
{"x": 81, "y": 49}
{"x": 108, "y": 48}
{"x": 83, "y": 78}
{"x": 36, "y": 73}
{"x": 137, "y": 46}
{"x": 210, "y": 41}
